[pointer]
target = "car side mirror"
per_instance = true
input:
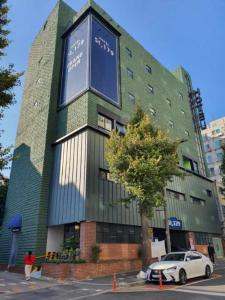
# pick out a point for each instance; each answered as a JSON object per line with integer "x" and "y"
{"x": 188, "y": 259}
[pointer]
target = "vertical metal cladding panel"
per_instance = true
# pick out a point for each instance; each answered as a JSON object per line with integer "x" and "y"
{"x": 68, "y": 188}
{"x": 103, "y": 196}
{"x": 194, "y": 217}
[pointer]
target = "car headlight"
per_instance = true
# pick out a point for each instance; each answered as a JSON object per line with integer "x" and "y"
{"x": 172, "y": 268}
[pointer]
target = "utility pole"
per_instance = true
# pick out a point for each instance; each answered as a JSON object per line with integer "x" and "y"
{"x": 168, "y": 240}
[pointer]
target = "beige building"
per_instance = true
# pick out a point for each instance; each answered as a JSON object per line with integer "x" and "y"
{"x": 213, "y": 137}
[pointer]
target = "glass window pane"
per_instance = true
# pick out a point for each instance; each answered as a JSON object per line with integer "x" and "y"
{"x": 148, "y": 69}
{"x": 131, "y": 98}
{"x": 108, "y": 124}
{"x": 129, "y": 53}
{"x": 150, "y": 89}
{"x": 101, "y": 121}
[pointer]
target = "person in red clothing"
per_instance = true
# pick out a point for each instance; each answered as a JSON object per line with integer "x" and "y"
{"x": 29, "y": 260}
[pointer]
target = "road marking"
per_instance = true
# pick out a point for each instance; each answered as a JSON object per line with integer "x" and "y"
{"x": 219, "y": 269}
{"x": 23, "y": 282}
{"x": 85, "y": 289}
{"x": 12, "y": 283}
{"x": 99, "y": 290}
{"x": 2, "y": 284}
{"x": 91, "y": 283}
{"x": 200, "y": 293}
{"x": 199, "y": 281}
{"x": 91, "y": 295}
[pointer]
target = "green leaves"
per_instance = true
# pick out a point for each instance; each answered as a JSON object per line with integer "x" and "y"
{"x": 143, "y": 160}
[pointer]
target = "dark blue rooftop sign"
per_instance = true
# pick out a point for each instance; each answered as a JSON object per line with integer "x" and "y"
{"x": 104, "y": 61}
{"x": 174, "y": 223}
{"x": 90, "y": 61}
{"x": 75, "y": 63}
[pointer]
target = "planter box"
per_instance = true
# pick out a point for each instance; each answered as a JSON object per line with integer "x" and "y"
{"x": 58, "y": 271}
{"x": 90, "y": 270}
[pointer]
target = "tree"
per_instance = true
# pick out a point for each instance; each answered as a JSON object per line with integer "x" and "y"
{"x": 8, "y": 80}
{"x": 143, "y": 161}
{"x": 3, "y": 194}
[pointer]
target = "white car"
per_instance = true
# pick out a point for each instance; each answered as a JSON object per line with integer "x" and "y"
{"x": 180, "y": 266}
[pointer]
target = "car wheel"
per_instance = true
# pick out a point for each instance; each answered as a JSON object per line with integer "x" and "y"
{"x": 182, "y": 277}
{"x": 208, "y": 272}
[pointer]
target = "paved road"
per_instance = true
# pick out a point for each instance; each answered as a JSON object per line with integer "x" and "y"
{"x": 13, "y": 287}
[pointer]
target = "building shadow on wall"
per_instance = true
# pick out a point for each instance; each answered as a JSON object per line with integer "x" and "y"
{"x": 23, "y": 198}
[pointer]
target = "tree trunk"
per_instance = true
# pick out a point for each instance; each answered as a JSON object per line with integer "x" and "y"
{"x": 168, "y": 240}
{"x": 146, "y": 243}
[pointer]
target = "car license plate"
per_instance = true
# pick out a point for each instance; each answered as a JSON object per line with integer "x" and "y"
{"x": 155, "y": 276}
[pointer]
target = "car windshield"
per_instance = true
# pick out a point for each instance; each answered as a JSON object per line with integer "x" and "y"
{"x": 174, "y": 257}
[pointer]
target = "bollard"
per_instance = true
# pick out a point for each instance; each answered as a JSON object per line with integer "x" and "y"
{"x": 114, "y": 282}
{"x": 160, "y": 281}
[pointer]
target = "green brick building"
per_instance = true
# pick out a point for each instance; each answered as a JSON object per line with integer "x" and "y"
{"x": 84, "y": 76}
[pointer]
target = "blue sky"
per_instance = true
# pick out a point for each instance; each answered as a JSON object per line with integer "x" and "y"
{"x": 190, "y": 33}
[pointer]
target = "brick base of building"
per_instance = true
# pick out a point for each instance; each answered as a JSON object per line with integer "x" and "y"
{"x": 90, "y": 270}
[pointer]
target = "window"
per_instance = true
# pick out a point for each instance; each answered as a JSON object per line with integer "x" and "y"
{"x": 72, "y": 230}
{"x": 171, "y": 124}
{"x": 105, "y": 175}
{"x": 120, "y": 128}
{"x": 180, "y": 96}
{"x": 105, "y": 123}
{"x": 190, "y": 164}
{"x": 130, "y": 73}
{"x": 205, "y": 137}
{"x": 150, "y": 89}
{"x": 131, "y": 98}
{"x": 219, "y": 156}
{"x": 195, "y": 166}
{"x": 168, "y": 101}
{"x": 129, "y": 52}
{"x": 217, "y": 144}
{"x": 209, "y": 193}
{"x": 116, "y": 233}
{"x": 216, "y": 131}
{"x": 209, "y": 158}
{"x": 148, "y": 69}
{"x": 186, "y": 132}
{"x": 197, "y": 201}
{"x": 195, "y": 255}
{"x": 223, "y": 208}
{"x": 175, "y": 195}
{"x": 207, "y": 147}
{"x": 183, "y": 112}
{"x": 152, "y": 112}
{"x": 212, "y": 171}
{"x": 202, "y": 238}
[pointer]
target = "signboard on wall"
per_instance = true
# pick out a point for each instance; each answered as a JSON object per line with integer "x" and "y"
{"x": 75, "y": 63}
{"x": 104, "y": 61}
{"x": 174, "y": 223}
{"x": 90, "y": 61}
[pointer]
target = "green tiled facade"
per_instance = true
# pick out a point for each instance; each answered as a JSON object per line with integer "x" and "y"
{"x": 44, "y": 126}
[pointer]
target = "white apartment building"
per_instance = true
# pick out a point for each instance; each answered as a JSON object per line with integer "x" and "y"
{"x": 213, "y": 137}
